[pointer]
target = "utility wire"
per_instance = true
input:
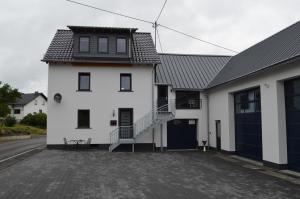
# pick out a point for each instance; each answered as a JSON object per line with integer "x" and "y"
{"x": 160, "y": 45}
{"x": 188, "y": 35}
{"x": 161, "y": 10}
{"x": 152, "y": 23}
{"x": 111, "y": 12}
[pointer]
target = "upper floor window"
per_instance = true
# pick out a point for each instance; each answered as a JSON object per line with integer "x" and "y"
{"x": 103, "y": 44}
{"x": 187, "y": 100}
{"x": 35, "y": 102}
{"x": 84, "y": 44}
{"x": 84, "y": 81}
{"x": 125, "y": 82}
{"x": 121, "y": 45}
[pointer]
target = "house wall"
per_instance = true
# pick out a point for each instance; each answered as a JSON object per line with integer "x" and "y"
{"x": 31, "y": 107}
{"x": 103, "y": 99}
{"x": 221, "y": 107}
{"x": 35, "y": 106}
{"x": 199, "y": 114}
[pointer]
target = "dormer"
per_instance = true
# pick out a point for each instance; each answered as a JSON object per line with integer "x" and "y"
{"x": 102, "y": 43}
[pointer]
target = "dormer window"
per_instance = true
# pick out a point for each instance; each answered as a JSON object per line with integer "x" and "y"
{"x": 121, "y": 45}
{"x": 103, "y": 44}
{"x": 84, "y": 44}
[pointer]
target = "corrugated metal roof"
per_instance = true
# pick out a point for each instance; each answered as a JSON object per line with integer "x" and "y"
{"x": 278, "y": 48}
{"x": 184, "y": 71}
{"x": 61, "y": 48}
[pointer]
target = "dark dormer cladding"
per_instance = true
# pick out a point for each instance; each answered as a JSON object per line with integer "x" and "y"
{"x": 102, "y": 43}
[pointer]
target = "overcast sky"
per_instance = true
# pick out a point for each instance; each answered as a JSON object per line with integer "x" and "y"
{"x": 27, "y": 28}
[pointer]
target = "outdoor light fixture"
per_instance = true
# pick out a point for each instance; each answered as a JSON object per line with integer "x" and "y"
{"x": 57, "y": 97}
{"x": 113, "y": 113}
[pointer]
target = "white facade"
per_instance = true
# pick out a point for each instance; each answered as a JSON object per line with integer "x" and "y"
{"x": 103, "y": 100}
{"x": 39, "y": 104}
{"x": 221, "y": 107}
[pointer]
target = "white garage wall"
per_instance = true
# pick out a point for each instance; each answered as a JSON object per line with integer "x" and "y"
{"x": 221, "y": 107}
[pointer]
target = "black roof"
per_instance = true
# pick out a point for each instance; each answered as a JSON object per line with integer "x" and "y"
{"x": 184, "y": 71}
{"x": 281, "y": 47}
{"x": 28, "y": 97}
{"x": 61, "y": 48}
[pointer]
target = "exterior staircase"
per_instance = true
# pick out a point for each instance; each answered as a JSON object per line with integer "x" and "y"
{"x": 129, "y": 134}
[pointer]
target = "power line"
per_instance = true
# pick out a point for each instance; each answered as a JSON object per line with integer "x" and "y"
{"x": 193, "y": 37}
{"x": 160, "y": 45}
{"x": 154, "y": 24}
{"x": 161, "y": 10}
{"x": 111, "y": 12}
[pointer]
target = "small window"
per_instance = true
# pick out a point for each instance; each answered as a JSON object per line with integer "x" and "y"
{"x": 103, "y": 45}
{"x": 121, "y": 45}
{"x": 17, "y": 111}
{"x": 43, "y": 102}
{"x": 84, "y": 44}
{"x": 35, "y": 102}
{"x": 125, "y": 82}
{"x": 84, "y": 81}
{"x": 40, "y": 111}
{"x": 83, "y": 119}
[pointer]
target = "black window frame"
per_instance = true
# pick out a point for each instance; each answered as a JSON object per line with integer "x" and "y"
{"x": 182, "y": 98}
{"x": 107, "y": 46}
{"x": 245, "y": 102}
{"x": 89, "y": 45}
{"x": 125, "y": 75}
{"x": 126, "y": 42}
{"x": 80, "y": 126}
{"x": 79, "y": 81}
{"x": 18, "y": 111}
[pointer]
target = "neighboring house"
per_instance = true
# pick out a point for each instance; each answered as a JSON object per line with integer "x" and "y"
{"x": 248, "y": 104}
{"x": 29, "y": 103}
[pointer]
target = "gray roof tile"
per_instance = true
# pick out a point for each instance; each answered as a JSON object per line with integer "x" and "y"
{"x": 28, "y": 97}
{"x": 61, "y": 48}
{"x": 189, "y": 71}
{"x": 278, "y": 48}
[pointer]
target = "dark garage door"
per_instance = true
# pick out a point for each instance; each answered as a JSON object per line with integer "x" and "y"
{"x": 248, "y": 139}
{"x": 182, "y": 134}
{"x": 292, "y": 100}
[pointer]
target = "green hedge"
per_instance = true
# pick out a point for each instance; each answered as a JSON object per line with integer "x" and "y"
{"x": 21, "y": 130}
{"x": 37, "y": 120}
{"x": 10, "y": 121}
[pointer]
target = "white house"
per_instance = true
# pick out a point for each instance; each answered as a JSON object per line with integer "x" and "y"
{"x": 29, "y": 103}
{"x": 110, "y": 85}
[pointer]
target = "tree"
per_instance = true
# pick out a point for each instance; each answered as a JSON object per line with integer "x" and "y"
{"x": 8, "y": 95}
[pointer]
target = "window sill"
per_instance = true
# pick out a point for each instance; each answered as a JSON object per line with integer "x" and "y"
{"x": 83, "y": 128}
{"x": 125, "y": 90}
{"x": 83, "y": 90}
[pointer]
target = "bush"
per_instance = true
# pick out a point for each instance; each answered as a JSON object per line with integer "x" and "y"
{"x": 38, "y": 120}
{"x": 10, "y": 121}
{"x": 21, "y": 130}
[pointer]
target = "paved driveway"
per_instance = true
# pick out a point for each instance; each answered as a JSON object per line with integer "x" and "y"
{"x": 98, "y": 174}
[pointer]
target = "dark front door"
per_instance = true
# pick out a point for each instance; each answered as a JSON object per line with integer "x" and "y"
{"x": 125, "y": 123}
{"x": 218, "y": 134}
{"x": 292, "y": 101}
{"x": 182, "y": 134}
{"x": 162, "y": 96}
{"x": 248, "y": 133}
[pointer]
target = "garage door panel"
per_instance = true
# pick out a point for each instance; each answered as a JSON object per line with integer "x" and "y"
{"x": 181, "y": 134}
{"x": 292, "y": 100}
{"x": 248, "y": 133}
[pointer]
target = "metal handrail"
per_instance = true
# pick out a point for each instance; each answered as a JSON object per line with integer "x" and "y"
{"x": 149, "y": 120}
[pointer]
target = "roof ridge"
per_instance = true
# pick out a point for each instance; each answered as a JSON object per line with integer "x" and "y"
{"x": 206, "y": 55}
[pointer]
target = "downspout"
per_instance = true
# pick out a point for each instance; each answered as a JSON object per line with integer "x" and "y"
{"x": 153, "y": 104}
{"x": 208, "y": 132}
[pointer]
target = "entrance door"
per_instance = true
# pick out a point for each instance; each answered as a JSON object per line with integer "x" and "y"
{"x": 218, "y": 134}
{"x": 248, "y": 133}
{"x": 125, "y": 123}
{"x": 162, "y": 95}
{"x": 292, "y": 101}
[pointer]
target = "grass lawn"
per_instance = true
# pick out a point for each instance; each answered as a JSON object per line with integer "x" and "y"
{"x": 20, "y": 129}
